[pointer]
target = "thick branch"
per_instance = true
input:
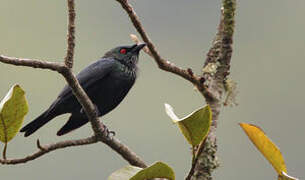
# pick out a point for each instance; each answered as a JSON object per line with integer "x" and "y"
{"x": 99, "y": 128}
{"x": 70, "y": 34}
{"x": 219, "y": 56}
{"x": 162, "y": 63}
{"x": 85, "y": 101}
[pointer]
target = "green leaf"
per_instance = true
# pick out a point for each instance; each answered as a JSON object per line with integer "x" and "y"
{"x": 157, "y": 170}
{"x": 195, "y": 126}
{"x": 124, "y": 173}
{"x": 13, "y": 108}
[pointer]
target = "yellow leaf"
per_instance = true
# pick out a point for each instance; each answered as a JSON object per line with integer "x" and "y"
{"x": 265, "y": 146}
{"x": 195, "y": 126}
{"x": 285, "y": 176}
{"x": 157, "y": 170}
{"x": 13, "y": 108}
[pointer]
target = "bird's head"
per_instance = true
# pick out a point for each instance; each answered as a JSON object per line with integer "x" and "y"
{"x": 127, "y": 55}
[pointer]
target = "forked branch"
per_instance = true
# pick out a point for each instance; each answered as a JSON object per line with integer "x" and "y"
{"x": 210, "y": 83}
{"x": 162, "y": 63}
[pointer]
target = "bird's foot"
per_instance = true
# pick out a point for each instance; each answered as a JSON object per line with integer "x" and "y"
{"x": 108, "y": 134}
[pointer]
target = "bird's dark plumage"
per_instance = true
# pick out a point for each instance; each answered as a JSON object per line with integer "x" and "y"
{"x": 106, "y": 81}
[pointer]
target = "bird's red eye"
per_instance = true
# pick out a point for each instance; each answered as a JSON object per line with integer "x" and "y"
{"x": 123, "y": 51}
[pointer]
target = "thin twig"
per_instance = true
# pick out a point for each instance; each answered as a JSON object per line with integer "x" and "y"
{"x": 115, "y": 144}
{"x": 49, "y": 148}
{"x": 34, "y": 63}
{"x": 70, "y": 34}
{"x": 39, "y": 146}
{"x": 162, "y": 63}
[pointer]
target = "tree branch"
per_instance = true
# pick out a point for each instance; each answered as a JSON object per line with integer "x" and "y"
{"x": 162, "y": 63}
{"x": 32, "y": 63}
{"x": 113, "y": 143}
{"x": 49, "y": 148}
{"x": 125, "y": 152}
{"x": 219, "y": 56}
{"x": 71, "y": 34}
{"x": 210, "y": 84}
{"x": 101, "y": 135}
{"x": 77, "y": 90}
{"x": 84, "y": 100}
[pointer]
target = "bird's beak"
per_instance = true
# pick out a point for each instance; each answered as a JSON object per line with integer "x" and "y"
{"x": 138, "y": 47}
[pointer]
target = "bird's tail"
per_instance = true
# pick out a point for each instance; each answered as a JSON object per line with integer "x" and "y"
{"x": 37, "y": 123}
{"x": 75, "y": 121}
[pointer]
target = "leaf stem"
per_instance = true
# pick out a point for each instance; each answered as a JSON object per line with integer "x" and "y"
{"x": 4, "y": 151}
{"x": 5, "y": 137}
{"x": 194, "y": 154}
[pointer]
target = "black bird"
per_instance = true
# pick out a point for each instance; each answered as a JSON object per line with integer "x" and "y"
{"x": 106, "y": 81}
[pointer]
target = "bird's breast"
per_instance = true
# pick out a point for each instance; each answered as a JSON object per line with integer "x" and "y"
{"x": 112, "y": 90}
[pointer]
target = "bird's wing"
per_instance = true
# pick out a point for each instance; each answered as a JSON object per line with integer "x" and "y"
{"x": 89, "y": 75}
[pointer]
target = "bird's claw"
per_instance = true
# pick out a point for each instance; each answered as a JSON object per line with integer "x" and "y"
{"x": 108, "y": 134}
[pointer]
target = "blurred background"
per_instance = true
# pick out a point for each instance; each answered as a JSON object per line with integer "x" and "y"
{"x": 268, "y": 65}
